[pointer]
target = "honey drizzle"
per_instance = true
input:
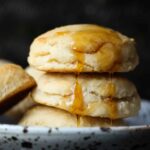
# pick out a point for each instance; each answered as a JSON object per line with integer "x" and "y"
{"x": 78, "y": 102}
{"x": 80, "y": 60}
{"x": 110, "y": 57}
{"x": 93, "y": 39}
{"x": 90, "y": 41}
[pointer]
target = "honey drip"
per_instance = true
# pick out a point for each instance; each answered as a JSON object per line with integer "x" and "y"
{"x": 104, "y": 42}
{"x": 80, "y": 61}
{"x": 78, "y": 103}
{"x": 91, "y": 40}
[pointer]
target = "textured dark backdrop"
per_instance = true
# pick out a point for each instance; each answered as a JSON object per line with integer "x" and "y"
{"x": 23, "y": 20}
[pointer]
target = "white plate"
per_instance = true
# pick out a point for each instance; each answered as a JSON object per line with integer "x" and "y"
{"x": 133, "y": 137}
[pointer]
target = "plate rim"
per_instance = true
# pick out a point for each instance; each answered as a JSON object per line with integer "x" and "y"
{"x": 36, "y": 130}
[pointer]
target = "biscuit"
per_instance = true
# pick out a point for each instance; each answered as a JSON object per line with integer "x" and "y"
{"x": 53, "y": 117}
{"x": 14, "y": 85}
{"x": 4, "y": 61}
{"x": 88, "y": 94}
{"x": 17, "y": 111}
{"x": 34, "y": 72}
{"x": 83, "y": 48}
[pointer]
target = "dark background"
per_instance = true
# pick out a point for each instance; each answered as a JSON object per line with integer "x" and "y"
{"x": 22, "y": 20}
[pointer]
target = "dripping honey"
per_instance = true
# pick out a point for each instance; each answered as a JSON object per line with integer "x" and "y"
{"x": 78, "y": 102}
{"x": 91, "y": 41}
{"x": 97, "y": 40}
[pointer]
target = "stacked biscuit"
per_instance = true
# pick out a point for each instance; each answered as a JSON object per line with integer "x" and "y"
{"x": 74, "y": 69}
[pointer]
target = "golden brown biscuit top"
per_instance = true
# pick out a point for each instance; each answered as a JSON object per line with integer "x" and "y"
{"x": 83, "y": 48}
{"x": 89, "y": 38}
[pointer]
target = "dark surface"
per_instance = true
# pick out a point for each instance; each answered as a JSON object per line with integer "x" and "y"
{"x": 21, "y": 21}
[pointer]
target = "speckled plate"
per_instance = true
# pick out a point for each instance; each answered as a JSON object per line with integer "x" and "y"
{"x": 136, "y": 136}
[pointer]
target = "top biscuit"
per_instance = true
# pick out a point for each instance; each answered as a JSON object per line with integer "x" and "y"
{"x": 83, "y": 48}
